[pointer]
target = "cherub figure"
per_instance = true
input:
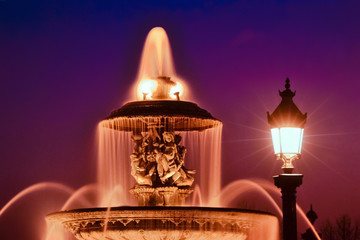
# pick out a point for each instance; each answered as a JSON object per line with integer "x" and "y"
{"x": 175, "y": 155}
{"x": 138, "y": 162}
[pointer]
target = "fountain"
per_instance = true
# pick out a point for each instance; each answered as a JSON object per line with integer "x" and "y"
{"x": 153, "y": 154}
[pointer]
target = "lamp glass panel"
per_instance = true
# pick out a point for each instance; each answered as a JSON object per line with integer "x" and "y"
{"x": 275, "y": 134}
{"x": 301, "y": 139}
{"x": 290, "y": 140}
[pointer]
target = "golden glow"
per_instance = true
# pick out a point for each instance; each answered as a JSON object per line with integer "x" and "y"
{"x": 287, "y": 141}
{"x": 157, "y": 78}
{"x": 146, "y": 87}
{"x": 151, "y": 89}
{"x": 178, "y": 88}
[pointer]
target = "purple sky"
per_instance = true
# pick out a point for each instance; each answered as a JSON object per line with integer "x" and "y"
{"x": 65, "y": 66}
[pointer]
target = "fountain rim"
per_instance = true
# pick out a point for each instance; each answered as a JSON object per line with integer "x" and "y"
{"x": 164, "y": 109}
{"x": 158, "y": 208}
{"x": 160, "y": 108}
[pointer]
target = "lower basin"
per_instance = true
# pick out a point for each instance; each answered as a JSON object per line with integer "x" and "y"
{"x": 163, "y": 223}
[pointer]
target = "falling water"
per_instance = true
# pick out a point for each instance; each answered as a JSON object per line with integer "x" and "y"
{"x": 56, "y": 231}
{"x": 115, "y": 147}
{"x": 204, "y": 155}
{"x": 114, "y": 167}
{"x": 242, "y": 186}
{"x": 34, "y": 188}
{"x": 42, "y": 187}
{"x": 196, "y": 198}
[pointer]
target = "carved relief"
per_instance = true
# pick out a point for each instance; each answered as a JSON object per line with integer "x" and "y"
{"x": 158, "y": 160}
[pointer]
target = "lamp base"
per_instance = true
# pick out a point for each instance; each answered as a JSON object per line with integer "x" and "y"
{"x": 288, "y": 184}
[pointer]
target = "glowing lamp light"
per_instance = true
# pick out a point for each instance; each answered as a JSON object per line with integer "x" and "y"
{"x": 287, "y": 129}
{"x": 287, "y": 141}
{"x": 146, "y": 88}
{"x": 161, "y": 88}
{"x": 176, "y": 91}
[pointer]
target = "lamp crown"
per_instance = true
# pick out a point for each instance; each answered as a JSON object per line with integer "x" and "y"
{"x": 287, "y": 113}
{"x": 287, "y": 93}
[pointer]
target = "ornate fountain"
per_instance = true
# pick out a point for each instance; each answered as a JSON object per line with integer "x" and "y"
{"x": 161, "y": 181}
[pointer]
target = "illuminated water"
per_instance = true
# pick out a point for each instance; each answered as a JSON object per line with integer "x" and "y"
{"x": 114, "y": 179}
{"x": 115, "y": 147}
{"x": 156, "y": 61}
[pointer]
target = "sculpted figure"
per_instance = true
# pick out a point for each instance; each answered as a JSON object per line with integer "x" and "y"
{"x": 168, "y": 156}
{"x": 158, "y": 159}
{"x": 185, "y": 178}
{"x": 138, "y": 162}
{"x": 175, "y": 155}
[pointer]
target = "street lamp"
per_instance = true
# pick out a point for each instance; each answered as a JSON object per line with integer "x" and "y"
{"x": 287, "y": 129}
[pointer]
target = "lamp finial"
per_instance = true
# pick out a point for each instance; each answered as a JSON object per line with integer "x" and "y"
{"x": 287, "y": 85}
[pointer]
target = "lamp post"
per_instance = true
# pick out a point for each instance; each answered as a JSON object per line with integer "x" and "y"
{"x": 287, "y": 129}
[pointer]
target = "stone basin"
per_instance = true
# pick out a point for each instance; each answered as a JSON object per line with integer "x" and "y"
{"x": 160, "y": 223}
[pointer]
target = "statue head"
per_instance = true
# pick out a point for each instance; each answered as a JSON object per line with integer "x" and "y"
{"x": 168, "y": 137}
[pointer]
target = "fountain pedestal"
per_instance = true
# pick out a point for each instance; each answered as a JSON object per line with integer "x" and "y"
{"x": 160, "y": 196}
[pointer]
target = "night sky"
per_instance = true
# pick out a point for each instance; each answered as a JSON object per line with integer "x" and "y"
{"x": 65, "y": 65}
